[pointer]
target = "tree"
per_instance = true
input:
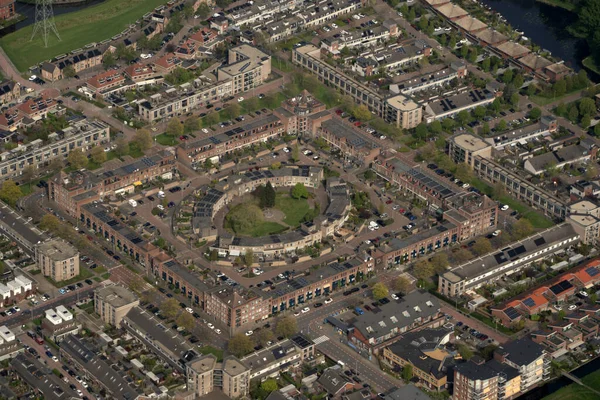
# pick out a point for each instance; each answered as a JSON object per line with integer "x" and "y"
{"x": 573, "y": 114}
{"x": 49, "y": 223}
{"x": 77, "y": 159}
{"x": 69, "y": 72}
{"x": 421, "y": 131}
{"x": 270, "y": 196}
{"x": 479, "y": 112}
{"x": 535, "y": 113}
{"x": 98, "y": 154}
{"x": 295, "y": 155}
{"x": 518, "y": 81}
{"x": 522, "y": 228}
{"x": 587, "y": 106}
{"x": 507, "y": 77}
{"x": 380, "y": 291}
{"x": 501, "y": 126}
{"x": 56, "y": 164}
{"x": 514, "y": 99}
{"x": 170, "y": 308}
{"x": 191, "y": 124}
{"x": 299, "y": 191}
{"x": 401, "y": 284}
{"x": 362, "y": 113}
{"x": 465, "y": 352}
{"x": 586, "y": 121}
{"x": 137, "y": 284}
{"x": 482, "y": 246}
{"x": 203, "y": 11}
{"x": 143, "y": 138}
{"x": 591, "y": 172}
{"x": 560, "y": 88}
{"x": 448, "y": 124}
{"x": 186, "y": 321}
{"x": 122, "y": 148}
{"x": 463, "y": 117}
{"x": 109, "y": 61}
{"x": 187, "y": 11}
{"x": 286, "y": 326}
{"x": 435, "y": 127}
{"x": 407, "y": 372}
{"x": 264, "y": 336}
{"x": 370, "y": 175}
{"x": 175, "y": 127}
{"x": 485, "y": 64}
{"x": 485, "y": 129}
{"x": 422, "y": 269}
{"x": 597, "y": 130}
{"x": 463, "y": 172}
{"x": 270, "y": 385}
{"x": 29, "y": 172}
{"x": 233, "y": 110}
{"x": 240, "y": 345}
{"x": 439, "y": 262}
{"x": 249, "y": 257}
{"x": 211, "y": 119}
{"x": 462, "y": 255}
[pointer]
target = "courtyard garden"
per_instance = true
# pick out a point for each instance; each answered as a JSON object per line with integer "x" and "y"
{"x": 268, "y": 212}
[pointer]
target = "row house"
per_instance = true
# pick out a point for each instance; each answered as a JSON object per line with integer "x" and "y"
{"x": 214, "y": 146}
{"x": 345, "y": 138}
{"x": 55, "y": 70}
{"x": 80, "y": 135}
{"x": 105, "y": 81}
{"x": 519, "y": 187}
{"x": 174, "y": 102}
{"x": 139, "y": 72}
{"x": 10, "y": 91}
{"x": 15, "y": 290}
{"x": 29, "y": 112}
{"x": 97, "y": 218}
{"x": 556, "y": 291}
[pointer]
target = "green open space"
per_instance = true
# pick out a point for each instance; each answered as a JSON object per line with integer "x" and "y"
{"x": 294, "y": 209}
{"x": 76, "y": 29}
{"x": 578, "y": 392}
{"x": 212, "y": 350}
{"x": 167, "y": 140}
{"x": 84, "y": 273}
{"x": 247, "y": 219}
{"x": 537, "y": 219}
{"x": 589, "y": 63}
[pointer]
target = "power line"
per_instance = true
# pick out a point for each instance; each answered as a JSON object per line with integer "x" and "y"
{"x": 44, "y": 21}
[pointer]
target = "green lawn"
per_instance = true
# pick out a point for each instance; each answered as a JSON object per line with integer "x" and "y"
{"x": 294, "y": 209}
{"x": 537, "y": 219}
{"x": 265, "y": 228}
{"x": 77, "y": 29}
{"x": 577, "y": 392}
{"x": 84, "y": 273}
{"x": 212, "y": 350}
{"x": 167, "y": 140}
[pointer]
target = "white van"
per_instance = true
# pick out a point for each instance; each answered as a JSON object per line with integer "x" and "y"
{"x": 133, "y": 203}
{"x": 161, "y": 194}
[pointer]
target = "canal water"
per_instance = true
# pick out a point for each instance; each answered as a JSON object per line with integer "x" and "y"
{"x": 556, "y": 384}
{"x": 546, "y": 26}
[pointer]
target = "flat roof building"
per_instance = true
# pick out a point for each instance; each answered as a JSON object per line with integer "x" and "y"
{"x": 57, "y": 259}
{"x": 113, "y": 302}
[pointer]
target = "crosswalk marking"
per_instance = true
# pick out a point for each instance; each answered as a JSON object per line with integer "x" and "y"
{"x": 321, "y": 339}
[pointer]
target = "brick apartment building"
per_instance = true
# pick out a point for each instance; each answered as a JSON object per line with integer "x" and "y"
{"x": 302, "y": 114}
{"x": 7, "y": 9}
{"x": 105, "y": 81}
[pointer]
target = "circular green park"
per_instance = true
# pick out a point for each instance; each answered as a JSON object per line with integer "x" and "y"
{"x": 268, "y": 211}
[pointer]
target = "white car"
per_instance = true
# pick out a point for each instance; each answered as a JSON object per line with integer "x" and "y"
{"x": 465, "y": 185}
{"x": 497, "y": 232}
{"x": 504, "y": 207}
{"x": 557, "y": 307}
{"x": 211, "y": 326}
{"x": 249, "y": 333}
{"x": 204, "y": 130}
{"x": 334, "y": 26}
{"x": 160, "y": 207}
{"x": 189, "y": 309}
{"x": 32, "y": 77}
{"x": 84, "y": 384}
{"x": 54, "y": 358}
{"x": 583, "y": 293}
{"x": 572, "y": 307}
{"x": 305, "y": 310}
{"x": 439, "y": 29}
{"x": 329, "y": 300}
{"x": 240, "y": 99}
{"x": 218, "y": 331}
{"x": 394, "y": 296}
{"x": 145, "y": 56}
{"x": 286, "y": 150}
{"x": 17, "y": 308}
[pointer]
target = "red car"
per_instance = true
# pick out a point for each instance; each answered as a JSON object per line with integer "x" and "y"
{"x": 357, "y": 123}
{"x": 402, "y": 211}
{"x": 389, "y": 202}
{"x": 338, "y": 112}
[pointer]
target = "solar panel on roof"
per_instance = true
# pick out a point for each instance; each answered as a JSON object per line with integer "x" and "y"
{"x": 511, "y": 253}
{"x": 520, "y": 250}
{"x": 529, "y": 302}
{"x": 112, "y": 223}
{"x": 511, "y": 313}
{"x": 592, "y": 271}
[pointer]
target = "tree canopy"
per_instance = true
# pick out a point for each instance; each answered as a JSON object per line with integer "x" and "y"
{"x": 240, "y": 345}
{"x": 77, "y": 159}
{"x": 380, "y": 291}
{"x": 10, "y": 192}
{"x": 299, "y": 191}
{"x": 286, "y": 326}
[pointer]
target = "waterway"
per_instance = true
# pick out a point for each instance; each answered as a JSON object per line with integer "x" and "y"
{"x": 556, "y": 384}
{"x": 545, "y": 25}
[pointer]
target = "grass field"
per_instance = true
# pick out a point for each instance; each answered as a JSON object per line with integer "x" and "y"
{"x": 294, "y": 209}
{"x": 577, "y": 392}
{"x": 265, "y": 228}
{"x": 537, "y": 219}
{"x": 92, "y": 24}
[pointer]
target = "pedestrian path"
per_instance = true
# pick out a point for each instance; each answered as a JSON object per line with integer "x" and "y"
{"x": 321, "y": 339}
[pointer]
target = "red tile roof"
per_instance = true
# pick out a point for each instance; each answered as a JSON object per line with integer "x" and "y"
{"x": 104, "y": 79}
